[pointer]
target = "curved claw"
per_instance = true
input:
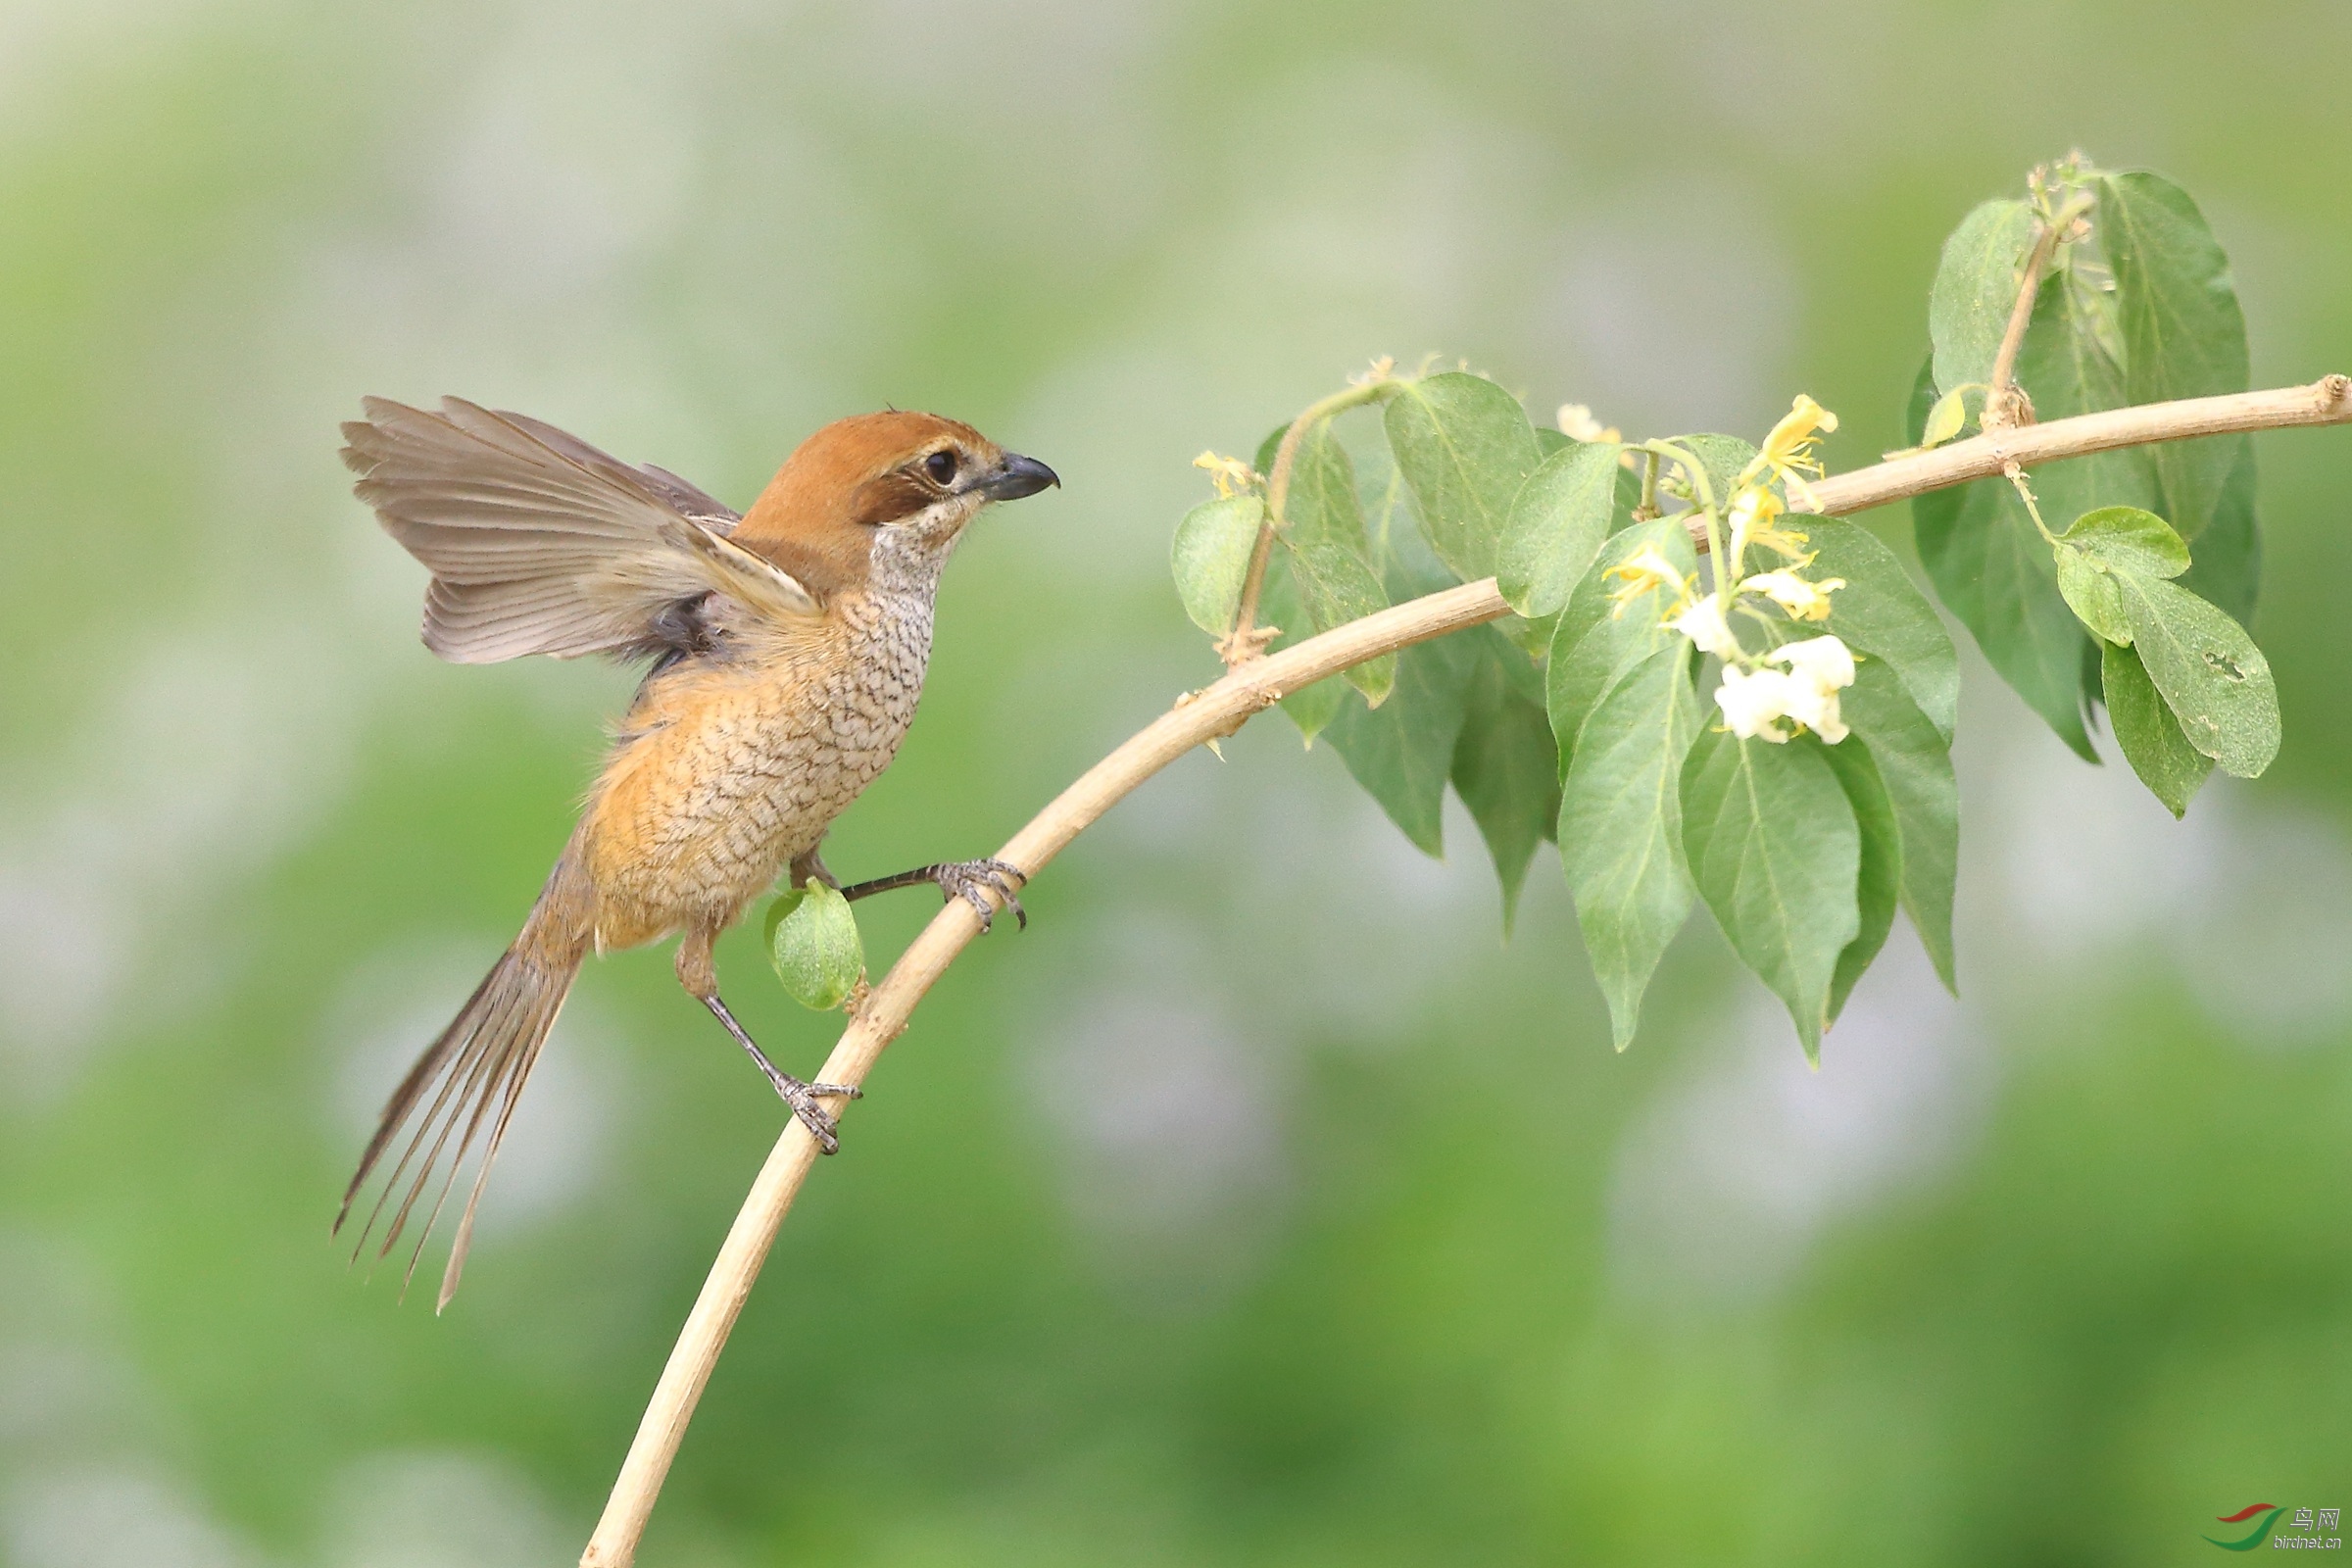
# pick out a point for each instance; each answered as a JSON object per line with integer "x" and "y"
{"x": 821, "y": 1123}
{"x": 965, "y": 879}
{"x": 813, "y": 1116}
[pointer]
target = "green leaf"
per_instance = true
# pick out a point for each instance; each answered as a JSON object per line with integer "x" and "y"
{"x": 812, "y": 941}
{"x": 1313, "y": 707}
{"x": 2216, "y": 681}
{"x": 2129, "y": 539}
{"x": 1402, "y": 750}
{"x": 1323, "y": 534}
{"x": 2149, "y": 735}
{"x": 1520, "y": 674}
{"x": 1549, "y": 440}
{"x": 1268, "y": 449}
{"x": 2183, "y": 333}
{"x": 1507, "y": 769}
{"x": 1915, "y": 765}
{"x": 1879, "y": 883}
{"x": 1465, "y": 447}
{"x": 1620, "y": 826}
{"x": 2100, "y": 543}
{"x": 1593, "y": 646}
{"x": 1881, "y": 611}
{"x": 2091, "y": 592}
{"x": 1557, "y": 522}
{"x": 1976, "y": 290}
{"x": 1210, "y": 557}
{"x": 2228, "y": 570}
{"x": 1777, "y": 856}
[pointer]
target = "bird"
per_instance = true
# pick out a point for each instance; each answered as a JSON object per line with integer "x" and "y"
{"x": 784, "y": 652}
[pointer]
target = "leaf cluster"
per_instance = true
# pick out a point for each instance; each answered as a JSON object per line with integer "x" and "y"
{"x": 1589, "y": 716}
{"x": 1584, "y": 718}
{"x": 2140, "y": 605}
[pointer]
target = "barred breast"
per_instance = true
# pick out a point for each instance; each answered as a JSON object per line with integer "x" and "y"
{"x": 728, "y": 769}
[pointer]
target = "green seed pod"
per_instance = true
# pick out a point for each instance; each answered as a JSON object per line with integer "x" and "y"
{"x": 812, "y": 941}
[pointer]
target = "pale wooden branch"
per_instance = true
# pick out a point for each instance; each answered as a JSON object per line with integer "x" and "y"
{"x": 2327, "y": 401}
{"x": 1219, "y": 710}
{"x": 1209, "y": 714}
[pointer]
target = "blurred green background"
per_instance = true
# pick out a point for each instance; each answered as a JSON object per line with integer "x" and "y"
{"x": 1259, "y": 1205}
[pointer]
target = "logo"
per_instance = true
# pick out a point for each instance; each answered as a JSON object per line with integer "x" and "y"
{"x": 2305, "y": 1523}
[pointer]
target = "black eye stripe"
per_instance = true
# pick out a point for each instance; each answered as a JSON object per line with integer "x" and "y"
{"x": 941, "y": 466}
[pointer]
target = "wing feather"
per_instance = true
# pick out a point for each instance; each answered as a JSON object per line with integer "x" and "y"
{"x": 539, "y": 543}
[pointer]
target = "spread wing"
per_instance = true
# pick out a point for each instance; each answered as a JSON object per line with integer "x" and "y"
{"x": 538, "y": 543}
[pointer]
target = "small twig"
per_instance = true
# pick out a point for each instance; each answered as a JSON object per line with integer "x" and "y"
{"x": 1646, "y": 510}
{"x": 2006, "y": 405}
{"x": 2016, "y": 474}
{"x": 1220, "y": 709}
{"x": 1248, "y": 640}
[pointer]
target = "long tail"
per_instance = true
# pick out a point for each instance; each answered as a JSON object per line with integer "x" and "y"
{"x": 479, "y": 1062}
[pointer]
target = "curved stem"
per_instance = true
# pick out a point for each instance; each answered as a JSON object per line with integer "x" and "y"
{"x": 1708, "y": 536}
{"x": 1219, "y": 710}
{"x": 2001, "y": 410}
{"x": 1246, "y": 641}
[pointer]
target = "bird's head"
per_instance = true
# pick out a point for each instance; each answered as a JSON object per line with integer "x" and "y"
{"x": 880, "y": 494}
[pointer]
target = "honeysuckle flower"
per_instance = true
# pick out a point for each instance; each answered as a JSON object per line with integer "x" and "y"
{"x": 1819, "y": 667}
{"x": 1231, "y": 475}
{"x": 1753, "y": 700}
{"x": 1701, "y": 621}
{"x": 1802, "y": 599}
{"x": 1788, "y": 451}
{"x": 1753, "y": 513}
{"x": 1577, "y": 423}
{"x": 1825, "y": 661}
{"x": 1644, "y": 570}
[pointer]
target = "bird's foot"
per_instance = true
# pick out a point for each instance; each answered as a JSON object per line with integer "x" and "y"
{"x": 803, "y": 1098}
{"x": 964, "y": 879}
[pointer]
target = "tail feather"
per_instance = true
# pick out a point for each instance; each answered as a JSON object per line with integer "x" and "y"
{"x": 511, "y": 1090}
{"x": 471, "y": 1076}
{"x": 455, "y": 1062}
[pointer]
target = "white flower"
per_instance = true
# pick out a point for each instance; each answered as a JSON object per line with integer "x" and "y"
{"x": 1818, "y": 668}
{"x": 1804, "y": 600}
{"x": 1703, "y": 623}
{"x": 1577, "y": 423}
{"x": 1826, "y": 660}
{"x": 1753, "y": 700}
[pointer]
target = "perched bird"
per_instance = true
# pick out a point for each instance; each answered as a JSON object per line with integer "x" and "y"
{"x": 787, "y": 648}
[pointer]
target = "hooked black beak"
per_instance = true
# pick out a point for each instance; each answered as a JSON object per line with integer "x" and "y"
{"x": 1017, "y": 476}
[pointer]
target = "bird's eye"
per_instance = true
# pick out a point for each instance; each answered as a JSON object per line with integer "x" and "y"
{"x": 940, "y": 465}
